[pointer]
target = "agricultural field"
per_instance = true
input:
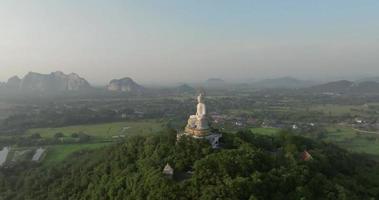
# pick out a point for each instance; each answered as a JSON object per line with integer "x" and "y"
{"x": 353, "y": 140}
{"x": 101, "y": 135}
{"x": 345, "y": 137}
{"x": 337, "y": 110}
{"x": 339, "y": 134}
{"x": 103, "y": 131}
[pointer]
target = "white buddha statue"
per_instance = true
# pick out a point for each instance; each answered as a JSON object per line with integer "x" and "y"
{"x": 201, "y": 108}
{"x": 201, "y": 121}
{"x": 198, "y": 126}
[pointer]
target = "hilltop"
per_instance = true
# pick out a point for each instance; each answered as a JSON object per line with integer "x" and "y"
{"x": 125, "y": 85}
{"x": 248, "y": 166}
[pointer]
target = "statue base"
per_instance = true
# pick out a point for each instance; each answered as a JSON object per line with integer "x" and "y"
{"x": 213, "y": 138}
{"x": 197, "y": 132}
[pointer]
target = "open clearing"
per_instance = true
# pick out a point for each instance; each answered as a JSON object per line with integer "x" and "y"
{"x": 100, "y": 132}
{"x": 353, "y": 140}
{"x": 345, "y": 137}
{"x": 58, "y": 153}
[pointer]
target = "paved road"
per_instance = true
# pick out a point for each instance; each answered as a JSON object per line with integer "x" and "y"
{"x": 38, "y": 154}
{"x": 363, "y": 131}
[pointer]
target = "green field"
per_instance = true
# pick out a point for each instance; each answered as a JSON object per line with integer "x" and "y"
{"x": 58, "y": 153}
{"x": 99, "y": 132}
{"x": 353, "y": 140}
{"x": 342, "y": 136}
{"x": 336, "y": 110}
{"x": 103, "y": 131}
{"x": 339, "y": 134}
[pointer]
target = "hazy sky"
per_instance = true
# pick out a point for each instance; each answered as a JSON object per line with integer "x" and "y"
{"x": 186, "y": 40}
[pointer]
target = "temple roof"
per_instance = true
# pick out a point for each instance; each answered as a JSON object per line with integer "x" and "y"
{"x": 168, "y": 170}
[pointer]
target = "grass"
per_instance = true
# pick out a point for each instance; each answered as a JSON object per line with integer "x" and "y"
{"x": 103, "y": 131}
{"x": 354, "y": 141}
{"x": 58, "y": 153}
{"x": 100, "y": 132}
{"x": 342, "y": 136}
{"x": 363, "y": 145}
{"x": 339, "y": 133}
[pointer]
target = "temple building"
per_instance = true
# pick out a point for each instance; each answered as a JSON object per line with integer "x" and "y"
{"x": 168, "y": 171}
{"x": 198, "y": 125}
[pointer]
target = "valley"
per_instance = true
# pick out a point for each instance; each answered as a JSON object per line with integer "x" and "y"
{"x": 54, "y": 132}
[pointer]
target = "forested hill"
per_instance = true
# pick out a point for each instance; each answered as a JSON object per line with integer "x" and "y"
{"x": 248, "y": 167}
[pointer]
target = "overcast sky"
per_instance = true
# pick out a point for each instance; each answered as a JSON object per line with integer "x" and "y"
{"x": 191, "y": 40}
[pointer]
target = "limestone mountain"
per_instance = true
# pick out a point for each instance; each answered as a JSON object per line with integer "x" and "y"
{"x": 53, "y": 82}
{"x": 13, "y": 82}
{"x": 124, "y": 85}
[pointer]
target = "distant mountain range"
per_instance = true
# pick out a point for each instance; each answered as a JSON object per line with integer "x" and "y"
{"x": 57, "y": 82}
{"x": 346, "y": 87}
{"x": 369, "y": 79}
{"x": 215, "y": 82}
{"x": 53, "y": 82}
{"x": 283, "y": 82}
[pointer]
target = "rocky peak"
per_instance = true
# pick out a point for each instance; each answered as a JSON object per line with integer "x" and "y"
{"x": 58, "y": 74}
{"x": 124, "y": 85}
{"x": 53, "y": 82}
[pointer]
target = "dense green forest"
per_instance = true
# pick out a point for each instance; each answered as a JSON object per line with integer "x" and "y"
{"x": 248, "y": 166}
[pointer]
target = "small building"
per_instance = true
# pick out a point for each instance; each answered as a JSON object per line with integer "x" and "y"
{"x": 305, "y": 156}
{"x": 238, "y": 123}
{"x": 168, "y": 171}
{"x": 358, "y": 121}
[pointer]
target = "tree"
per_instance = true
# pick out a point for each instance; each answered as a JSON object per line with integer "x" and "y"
{"x": 35, "y": 136}
{"x": 58, "y": 135}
